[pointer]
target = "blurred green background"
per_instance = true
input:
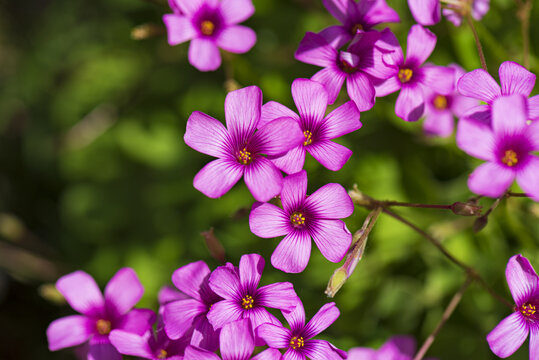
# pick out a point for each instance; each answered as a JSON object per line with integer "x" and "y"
{"x": 94, "y": 173}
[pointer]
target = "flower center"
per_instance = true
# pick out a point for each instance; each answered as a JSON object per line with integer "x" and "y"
{"x": 440, "y": 102}
{"x": 308, "y": 137}
{"x": 528, "y": 310}
{"x": 297, "y": 342}
{"x": 247, "y": 302}
{"x": 357, "y": 28}
{"x": 103, "y": 326}
{"x": 297, "y": 219}
{"x": 244, "y": 157}
{"x": 510, "y": 158}
{"x": 207, "y": 27}
{"x": 162, "y": 354}
{"x": 405, "y": 75}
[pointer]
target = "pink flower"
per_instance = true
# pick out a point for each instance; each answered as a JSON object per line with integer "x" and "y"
{"x": 210, "y": 25}
{"x": 428, "y": 12}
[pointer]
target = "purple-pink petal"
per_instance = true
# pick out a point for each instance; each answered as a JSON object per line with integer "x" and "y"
{"x": 225, "y": 282}
{"x": 237, "y": 341}
{"x": 388, "y": 86}
{"x": 362, "y": 354}
{"x": 268, "y": 221}
{"x": 508, "y": 335}
{"x": 292, "y": 354}
{"x": 263, "y": 179}
{"x": 398, "y": 347}
{"x": 242, "y": 111}
{"x": 204, "y": 336}
{"x": 189, "y": 278}
{"x": 124, "y": 290}
{"x": 337, "y": 8}
{"x": 180, "y": 315}
{"x": 311, "y": 99}
{"x": 521, "y": 278}
{"x": 273, "y": 110}
{"x": 478, "y": 84}
{"x": 103, "y": 351}
{"x": 509, "y": 115}
{"x": 236, "y": 11}
{"x": 410, "y": 103}
{"x": 191, "y": 7}
{"x": 332, "y": 81}
{"x": 278, "y": 136}
{"x": 293, "y": 252}
{"x": 236, "y": 39}
{"x": 223, "y": 312}
{"x": 291, "y": 162}
{"x": 336, "y": 36}
{"x": 204, "y": 54}
{"x": 425, "y": 12}
{"x": 515, "y": 79}
{"x": 217, "y": 177}
{"x": 476, "y": 139}
{"x": 250, "y": 271}
{"x": 137, "y": 321}
{"x": 168, "y": 294}
{"x": 179, "y": 28}
{"x": 377, "y": 12}
{"x": 533, "y": 107}
{"x": 331, "y": 155}
{"x": 528, "y": 178}
{"x": 440, "y": 79}
{"x": 268, "y": 354}
{"x": 130, "y": 344}
{"x": 490, "y": 179}
{"x": 81, "y": 292}
{"x": 278, "y": 296}
{"x": 421, "y": 43}
{"x": 314, "y": 49}
{"x": 321, "y": 320}
{"x": 259, "y": 315}
{"x": 195, "y": 353}
{"x": 69, "y": 331}
{"x": 361, "y": 90}
{"x": 341, "y": 121}
{"x": 294, "y": 191}
{"x": 207, "y": 135}
{"x": 320, "y": 350}
{"x": 331, "y": 201}
{"x": 439, "y": 123}
{"x": 276, "y": 337}
{"x": 534, "y": 342}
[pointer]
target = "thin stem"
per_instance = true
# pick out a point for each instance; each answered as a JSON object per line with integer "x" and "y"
{"x": 426, "y": 206}
{"x": 446, "y": 315}
{"x": 513, "y": 194}
{"x": 477, "y": 42}
{"x": 523, "y": 13}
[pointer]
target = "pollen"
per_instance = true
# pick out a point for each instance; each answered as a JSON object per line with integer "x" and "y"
{"x": 510, "y": 158}
{"x": 207, "y": 27}
{"x": 244, "y": 157}
{"x": 440, "y": 102}
{"x": 297, "y": 342}
{"x": 357, "y": 28}
{"x": 308, "y": 137}
{"x": 405, "y": 75}
{"x": 103, "y": 327}
{"x": 528, "y": 310}
{"x": 162, "y": 354}
{"x": 297, "y": 219}
{"x": 247, "y": 302}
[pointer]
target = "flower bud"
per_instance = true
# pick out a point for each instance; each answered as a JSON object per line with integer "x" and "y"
{"x": 466, "y": 209}
{"x": 480, "y": 223}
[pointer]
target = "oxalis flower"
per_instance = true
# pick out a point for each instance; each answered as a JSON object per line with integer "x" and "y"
{"x": 237, "y": 343}
{"x": 512, "y": 331}
{"x": 318, "y": 129}
{"x": 302, "y": 219}
{"x": 355, "y": 17}
{"x": 243, "y": 299}
{"x": 410, "y": 77}
{"x": 428, "y": 12}
{"x": 396, "y": 348}
{"x": 298, "y": 340}
{"x": 507, "y": 147}
{"x": 239, "y": 148}
{"x": 360, "y": 65}
{"x": 100, "y": 315}
{"x": 210, "y": 25}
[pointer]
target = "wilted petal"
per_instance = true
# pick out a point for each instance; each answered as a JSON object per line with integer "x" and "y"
{"x": 273, "y": 110}
{"x": 69, "y": 331}
{"x": 268, "y": 221}
{"x": 236, "y": 11}
{"x": 331, "y": 155}
{"x": 242, "y": 111}
{"x": 294, "y": 191}
{"x": 332, "y": 81}
{"x": 332, "y": 238}
{"x": 223, "y": 312}
{"x": 195, "y": 353}
{"x": 320, "y": 350}
{"x": 278, "y": 137}
{"x": 179, "y": 28}
{"x": 81, "y": 292}
{"x": 204, "y": 54}
{"x": 321, "y": 320}
{"x": 124, "y": 290}
{"x": 410, "y": 103}
{"x": 293, "y": 252}
{"x": 189, "y": 278}
{"x": 361, "y": 91}
{"x": 207, "y": 135}
{"x": 528, "y": 178}
{"x": 237, "y": 341}
{"x": 515, "y": 79}
{"x": 276, "y": 337}
{"x": 180, "y": 315}
{"x": 236, "y": 39}
{"x": 263, "y": 179}
{"x": 421, "y": 43}
{"x": 130, "y": 344}
{"x": 291, "y": 162}
{"x": 478, "y": 84}
{"x": 217, "y": 177}
{"x": 331, "y": 201}
{"x": 508, "y": 336}
{"x": 341, "y": 121}
{"x": 490, "y": 179}
{"x": 440, "y": 79}
{"x": 425, "y": 12}
{"x": 278, "y": 296}
{"x": 509, "y": 115}
{"x": 476, "y": 139}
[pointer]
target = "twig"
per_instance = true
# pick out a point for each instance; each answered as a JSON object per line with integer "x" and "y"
{"x": 425, "y": 206}
{"x": 477, "y": 42}
{"x": 446, "y": 315}
{"x": 523, "y": 13}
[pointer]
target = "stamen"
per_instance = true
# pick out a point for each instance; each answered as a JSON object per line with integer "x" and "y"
{"x": 510, "y": 158}
{"x": 405, "y": 75}
{"x": 308, "y": 137}
{"x": 244, "y": 157}
{"x": 440, "y": 102}
{"x": 297, "y": 342}
{"x": 528, "y": 310}
{"x": 162, "y": 354}
{"x": 247, "y": 302}
{"x": 357, "y": 28}
{"x": 103, "y": 326}
{"x": 207, "y": 27}
{"x": 297, "y": 219}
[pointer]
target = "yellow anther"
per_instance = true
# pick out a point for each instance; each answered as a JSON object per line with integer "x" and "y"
{"x": 440, "y": 102}
{"x": 162, "y": 354}
{"x": 247, "y": 302}
{"x": 297, "y": 342}
{"x": 528, "y": 310}
{"x": 103, "y": 327}
{"x": 297, "y": 219}
{"x": 510, "y": 158}
{"x": 308, "y": 137}
{"x": 207, "y": 27}
{"x": 244, "y": 157}
{"x": 405, "y": 75}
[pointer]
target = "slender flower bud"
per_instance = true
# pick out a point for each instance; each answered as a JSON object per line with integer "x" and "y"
{"x": 466, "y": 209}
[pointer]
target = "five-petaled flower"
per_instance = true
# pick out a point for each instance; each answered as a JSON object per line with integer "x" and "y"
{"x": 302, "y": 218}
{"x": 210, "y": 25}
{"x": 428, "y": 12}
{"x": 100, "y": 315}
{"x": 239, "y": 148}
{"x": 512, "y": 331}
